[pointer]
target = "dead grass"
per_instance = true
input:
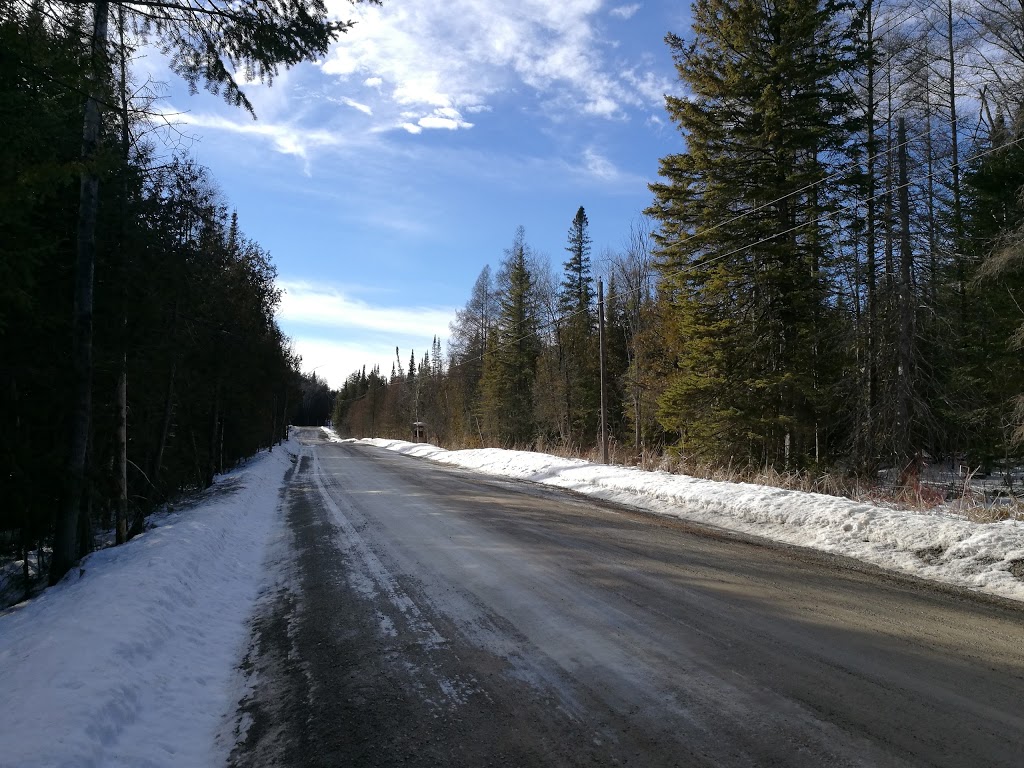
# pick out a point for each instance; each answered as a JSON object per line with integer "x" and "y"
{"x": 962, "y": 498}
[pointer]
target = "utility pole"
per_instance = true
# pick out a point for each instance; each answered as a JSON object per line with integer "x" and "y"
{"x": 600, "y": 345}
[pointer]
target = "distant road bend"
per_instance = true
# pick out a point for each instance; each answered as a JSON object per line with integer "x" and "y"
{"x": 436, "y": 617}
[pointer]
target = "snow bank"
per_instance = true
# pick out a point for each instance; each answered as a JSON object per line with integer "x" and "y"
{"x": 130, "y": 660}
{"x": 980, "y": 556}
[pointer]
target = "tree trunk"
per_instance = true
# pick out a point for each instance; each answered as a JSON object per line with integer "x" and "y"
{"x": 85, "y": 543}
{"x": 121, "y": 525}
{"x": 284, "y": 414}
{"x": 932, "y": 238}
{"x": 121, "y": 535}
{"x": 165, "y": 427}
{"x": 954, "y": 138}
{"x": 25, "y": 571}
{"x": 65, "y": 538}
{"x": 906, "y": 311}
{"x": 871, "y": 245}
{"x": 273, "y": 423}
{"x": 211, "y": 460}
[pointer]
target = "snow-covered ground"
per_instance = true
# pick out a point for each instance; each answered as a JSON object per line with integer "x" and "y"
{"x": 988, "y": 557}
{"x": 131, "y": 660}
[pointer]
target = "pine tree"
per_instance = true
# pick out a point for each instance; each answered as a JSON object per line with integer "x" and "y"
{"x": 743, "y": 247}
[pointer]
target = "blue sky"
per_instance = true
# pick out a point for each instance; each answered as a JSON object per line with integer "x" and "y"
{"x": 385, "y": 177}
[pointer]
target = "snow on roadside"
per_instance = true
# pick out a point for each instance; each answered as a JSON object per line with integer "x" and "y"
{"x": 131, "y": 659}
{"x": 988, "y": 557}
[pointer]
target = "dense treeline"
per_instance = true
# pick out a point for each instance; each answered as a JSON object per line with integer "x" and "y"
{"x": 139, "y": 352}
{"x": 830, "y": 275}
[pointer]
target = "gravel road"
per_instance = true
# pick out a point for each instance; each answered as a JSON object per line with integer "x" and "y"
{"x": 430, "y": 616}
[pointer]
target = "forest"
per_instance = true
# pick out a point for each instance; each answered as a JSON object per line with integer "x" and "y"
{"x": 827, "y": 279}
{"x": 139, "y": 350}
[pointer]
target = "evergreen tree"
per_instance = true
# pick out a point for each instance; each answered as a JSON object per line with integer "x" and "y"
{"x": 988, "y": 379}
{"x": 208, "y": 42}
{"x": 576, "y": 335}
{"x": 511, "y": 358}
{"x": 577, "y": 289}
{"x": 743, "y": 248}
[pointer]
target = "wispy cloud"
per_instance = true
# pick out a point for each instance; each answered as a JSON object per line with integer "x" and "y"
{"x": 649, "y": 85}
{"x": 287, "y": 138}
{"x": 595, "y": 166}
{"x": 465, "y": 54}
{"x": 366, "y": 110}
{"x": 599, "y": 165}
{"x": 625, "y": 11}
{"x": 326, "y": 307}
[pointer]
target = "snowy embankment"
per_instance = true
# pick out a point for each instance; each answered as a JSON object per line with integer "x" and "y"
{"x": 131, "y": 659}
{"x": 988, "y": 557}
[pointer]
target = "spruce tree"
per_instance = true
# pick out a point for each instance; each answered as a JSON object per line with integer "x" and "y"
{"x": 576, "y": 335}
{"x": 511, "y": 360}
{"x": 742, "y": 247}
{"x": 577, "y": 289}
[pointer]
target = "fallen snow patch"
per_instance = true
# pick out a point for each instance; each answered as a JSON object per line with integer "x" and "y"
{"x": 988, "y": 557}
{"x": 129, "y": 660}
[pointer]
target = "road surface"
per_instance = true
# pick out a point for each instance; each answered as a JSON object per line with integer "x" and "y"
{"x": 431, "y": 616}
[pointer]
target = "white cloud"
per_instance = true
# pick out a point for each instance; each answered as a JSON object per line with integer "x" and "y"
{"x": 625, "y": 11}
{"x": 442, "y": 122}
{"x": 598, "y": 165}
{"x": 324, "y": 307}
{"x": 286, "y": 138}
{"x": 334, "y": 360}
{"x": 464, "y": 54}
{"x": 649, "y": 85}
{"x": 446, "y": 118}
{"x": 356, "y": 105}
{"x": 337, "y": 334}
{"x": 602, "y": 106}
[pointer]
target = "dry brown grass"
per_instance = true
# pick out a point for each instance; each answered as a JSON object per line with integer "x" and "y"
{"x": 912, "y": 494}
